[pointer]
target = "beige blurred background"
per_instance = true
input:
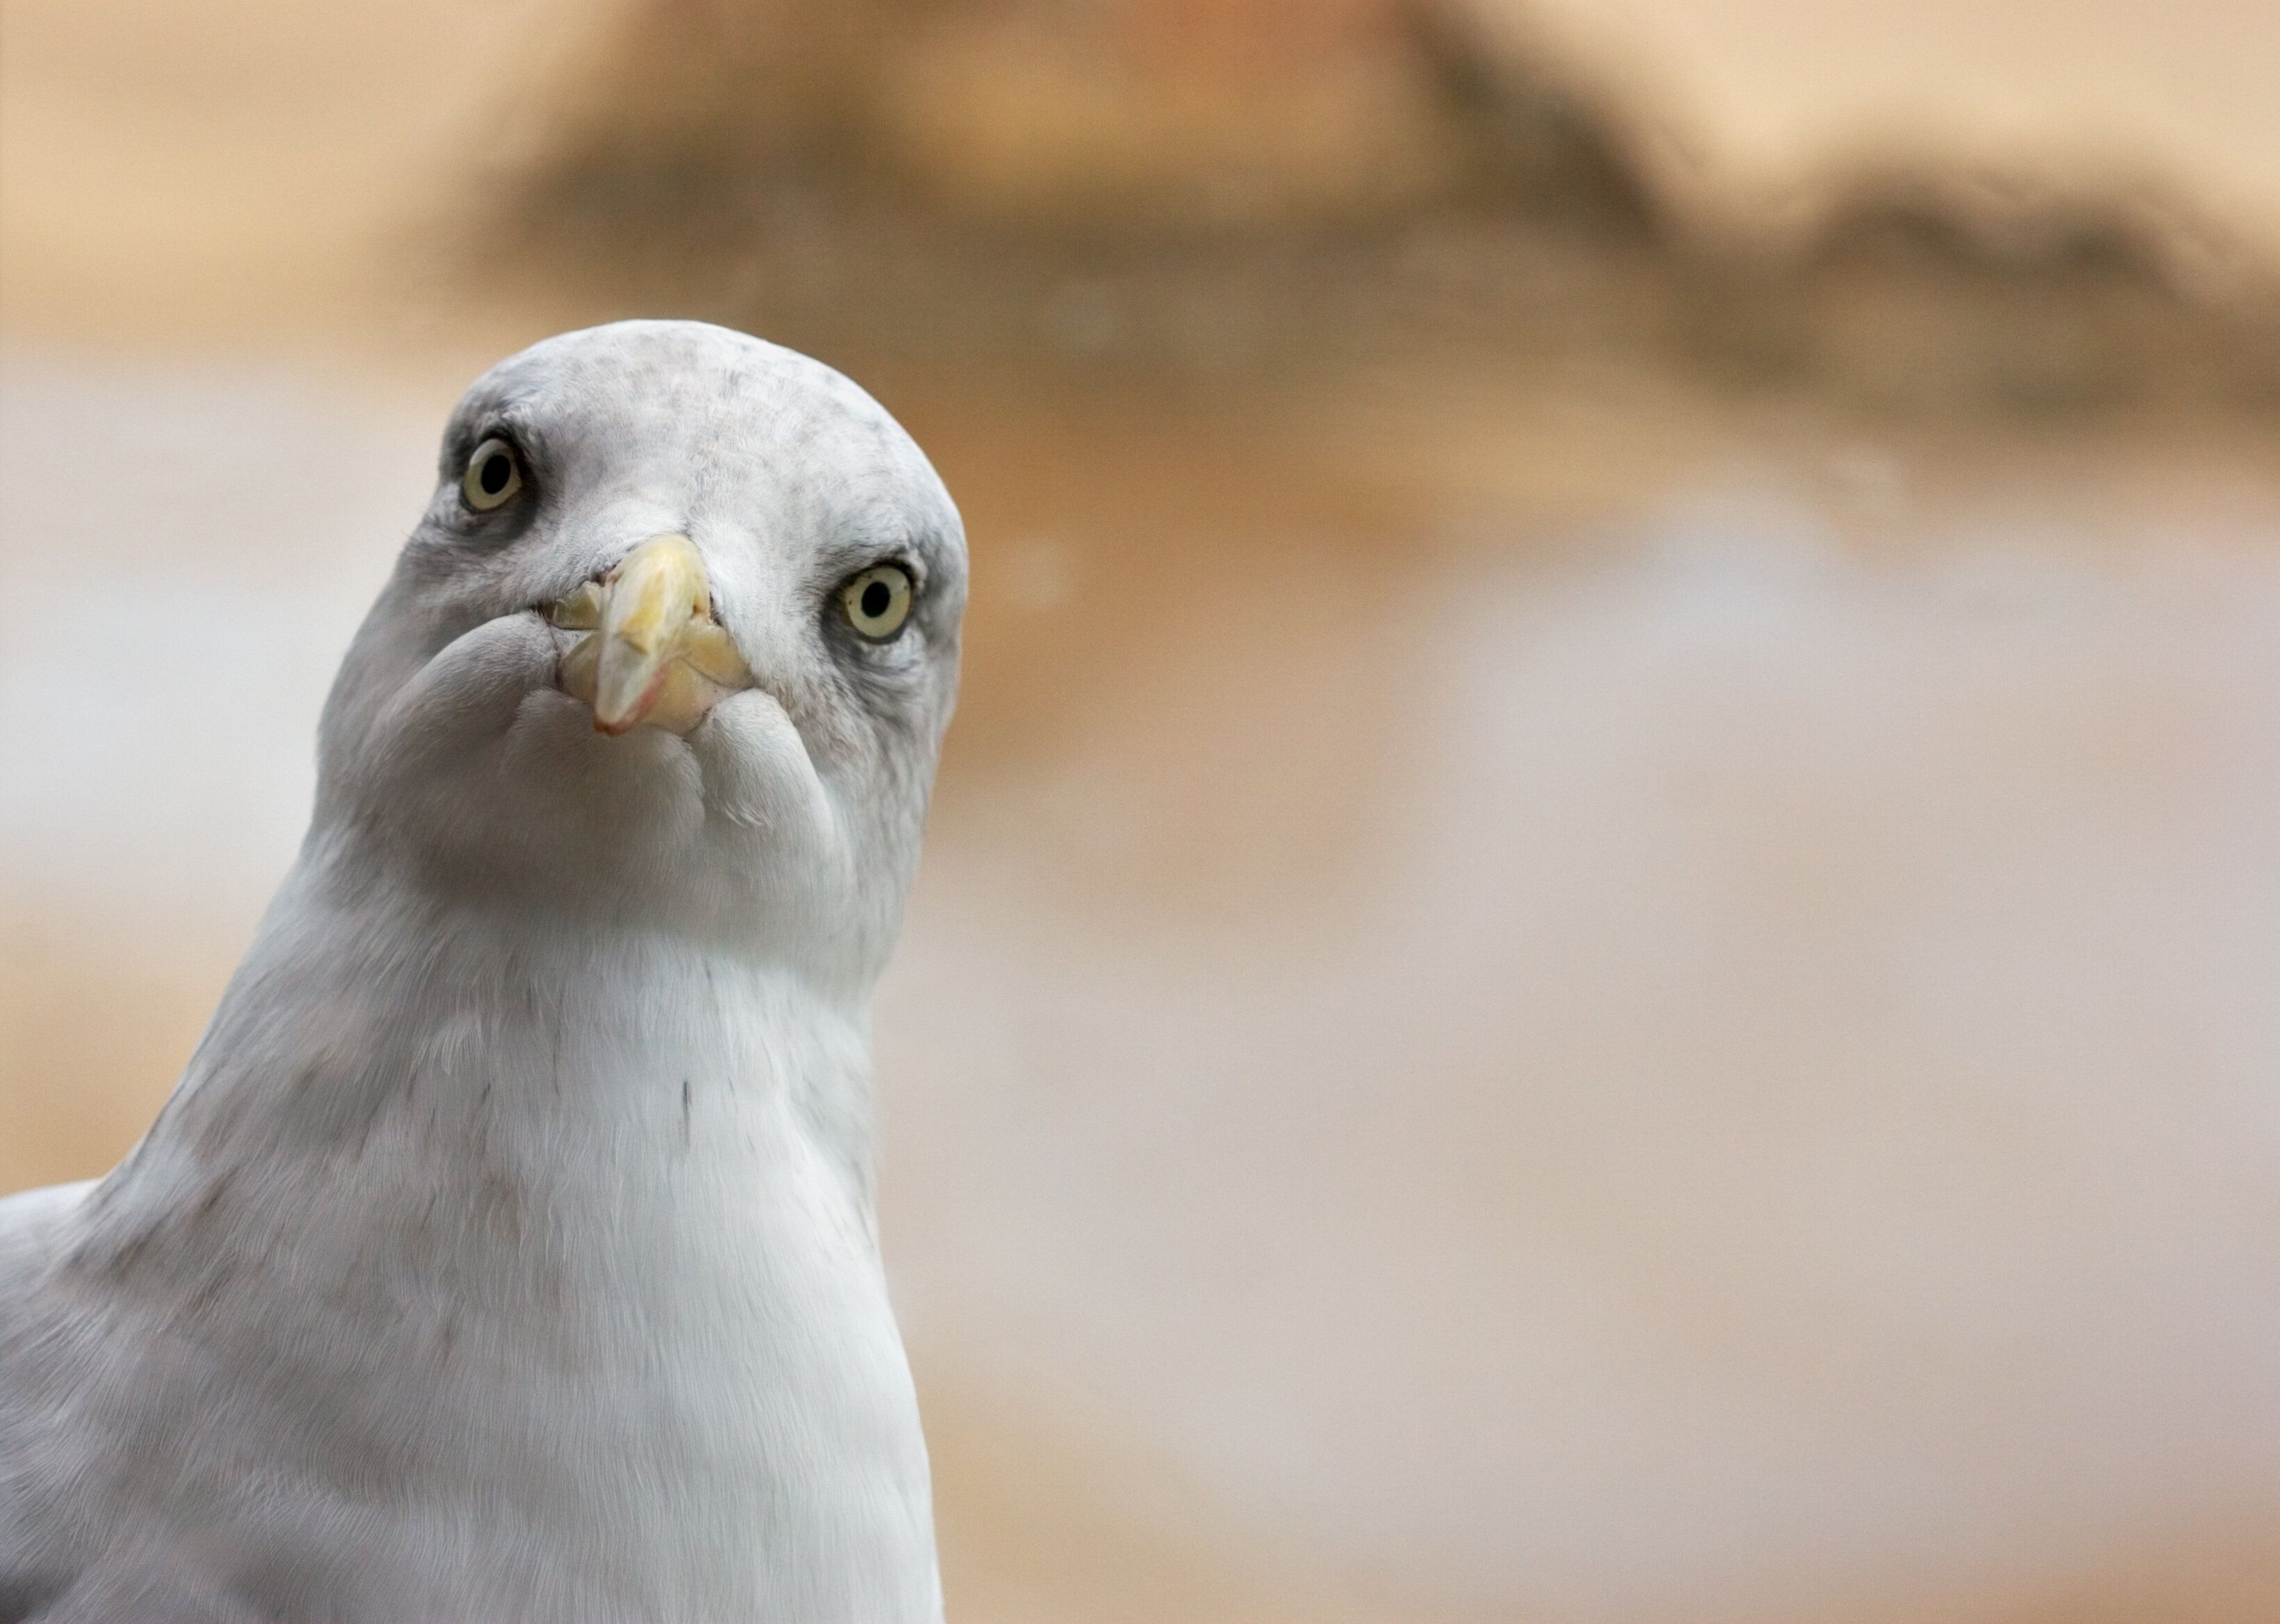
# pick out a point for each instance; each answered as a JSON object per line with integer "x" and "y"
{"x": 1601, "y": 933}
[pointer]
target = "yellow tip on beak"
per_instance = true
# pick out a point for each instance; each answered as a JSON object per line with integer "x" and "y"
{"x": 653, "y": 653}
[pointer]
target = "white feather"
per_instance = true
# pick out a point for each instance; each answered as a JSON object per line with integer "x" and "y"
{"x": 506, "y": 1251}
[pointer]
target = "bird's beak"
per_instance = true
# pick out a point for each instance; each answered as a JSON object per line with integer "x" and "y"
{"x": 653, "y": 652}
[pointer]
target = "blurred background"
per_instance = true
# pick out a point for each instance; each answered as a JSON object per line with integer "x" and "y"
{"x": 1602, "y": 935}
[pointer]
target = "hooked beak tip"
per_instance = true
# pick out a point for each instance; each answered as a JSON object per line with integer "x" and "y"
{"x": 652, "y": 653}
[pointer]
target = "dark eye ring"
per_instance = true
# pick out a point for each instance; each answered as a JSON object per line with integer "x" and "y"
{"x": 494, "y": 474}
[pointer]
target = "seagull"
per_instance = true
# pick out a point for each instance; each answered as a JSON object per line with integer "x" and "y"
{"x": 507, "y": 1250}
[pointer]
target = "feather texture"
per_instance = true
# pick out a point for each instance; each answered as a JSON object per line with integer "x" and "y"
{"x": 506, "y": 1251}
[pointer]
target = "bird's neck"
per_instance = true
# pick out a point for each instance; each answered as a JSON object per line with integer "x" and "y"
{"x": 447, "y": 1039}
{"x": 558, "y": 1196}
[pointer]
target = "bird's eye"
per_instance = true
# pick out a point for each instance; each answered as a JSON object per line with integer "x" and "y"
{"x": 878, "y": 601}
{"x": 492, "y": 476}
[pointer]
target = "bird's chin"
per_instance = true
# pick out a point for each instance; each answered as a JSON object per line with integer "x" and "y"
{"x": 726, "y": 830}
{"x": 740, "y": 771}
{"x": 566, "y": 773}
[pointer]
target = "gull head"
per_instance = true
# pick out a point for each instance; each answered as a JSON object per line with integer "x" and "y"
{"x": 672, "y": 647}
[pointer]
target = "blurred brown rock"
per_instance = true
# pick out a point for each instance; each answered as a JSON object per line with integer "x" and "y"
{"x": 1258, "y": 188}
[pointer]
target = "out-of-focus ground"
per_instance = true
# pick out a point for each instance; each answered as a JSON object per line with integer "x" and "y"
{"x": 1557, "y": 977}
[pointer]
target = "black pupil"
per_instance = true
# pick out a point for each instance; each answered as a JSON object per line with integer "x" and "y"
{"x": 494, "y": 473}
{"x": 876, "y": 596}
